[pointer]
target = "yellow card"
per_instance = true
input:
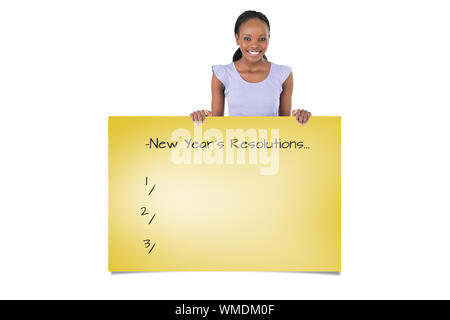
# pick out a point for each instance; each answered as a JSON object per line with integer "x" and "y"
{"x": 233, "y": 194}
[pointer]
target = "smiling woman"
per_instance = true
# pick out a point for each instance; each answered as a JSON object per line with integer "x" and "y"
{"x": 252, "y": 26}
{"x": 252, "y": 85}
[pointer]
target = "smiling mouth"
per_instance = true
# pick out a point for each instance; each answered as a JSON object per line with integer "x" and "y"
{"x": 254, "y": 53}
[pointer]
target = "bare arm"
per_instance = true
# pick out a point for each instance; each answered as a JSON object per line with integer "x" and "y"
{"x": 302, "y": 116}
{"x": 218, "y": 97}
{"x": 217, "y": 103}
{"x": 286, "y": 96}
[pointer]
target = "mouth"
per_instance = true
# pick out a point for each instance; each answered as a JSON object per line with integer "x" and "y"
{"x": 254, "y": 53}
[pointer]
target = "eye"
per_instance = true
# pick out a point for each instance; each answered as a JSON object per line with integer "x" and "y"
{"x": 247, "y": 38}
{"x": 262, "y": 39}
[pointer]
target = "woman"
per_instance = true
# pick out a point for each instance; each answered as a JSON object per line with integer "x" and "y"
{"x": 252, "y": 85}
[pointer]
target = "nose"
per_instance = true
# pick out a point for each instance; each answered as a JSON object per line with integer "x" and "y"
{"x": 254, "y": 46}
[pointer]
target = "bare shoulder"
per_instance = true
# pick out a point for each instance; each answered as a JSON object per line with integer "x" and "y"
{"x": 289, "y": 82}
{"x": 216, "y": 83}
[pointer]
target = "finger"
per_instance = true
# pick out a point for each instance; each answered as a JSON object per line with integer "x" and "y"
{"x": 303, "y": 117}
{"x": 298, "y": 118}
{"x": 299, "y": 115}
{"x": 308, "y": 116}
{"x": 197, "y": 116}
{"x": 203, "y": 115}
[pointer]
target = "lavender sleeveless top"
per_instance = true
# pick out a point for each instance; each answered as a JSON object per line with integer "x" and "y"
{"x": 252, "y": 99}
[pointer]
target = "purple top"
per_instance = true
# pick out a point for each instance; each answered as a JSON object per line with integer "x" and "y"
{"x": 252, "y": 99}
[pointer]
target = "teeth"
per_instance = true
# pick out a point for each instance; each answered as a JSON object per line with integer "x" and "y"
{"x": 254, "y": 52}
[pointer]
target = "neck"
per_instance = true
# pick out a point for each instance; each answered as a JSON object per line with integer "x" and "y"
{"x": 250, "y": 64}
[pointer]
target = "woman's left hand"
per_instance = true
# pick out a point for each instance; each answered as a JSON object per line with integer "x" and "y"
{"x": 302, "y": 116}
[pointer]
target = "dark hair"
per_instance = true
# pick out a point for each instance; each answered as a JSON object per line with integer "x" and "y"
{"x": 244, "y": 17}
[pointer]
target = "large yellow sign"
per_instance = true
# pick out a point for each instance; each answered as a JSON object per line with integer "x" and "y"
{"x": 233, "y": 194}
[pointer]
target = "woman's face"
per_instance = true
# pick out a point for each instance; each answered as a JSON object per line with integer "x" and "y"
{"x": 253, "y": 39}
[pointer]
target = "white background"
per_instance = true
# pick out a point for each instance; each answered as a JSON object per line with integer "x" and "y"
{"x": 65, "y": 66}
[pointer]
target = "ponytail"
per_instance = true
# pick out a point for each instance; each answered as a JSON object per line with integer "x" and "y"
{"x": 237, "y": 55}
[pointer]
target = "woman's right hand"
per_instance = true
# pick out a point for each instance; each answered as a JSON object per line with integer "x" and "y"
{"x": 199, "y": 116}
